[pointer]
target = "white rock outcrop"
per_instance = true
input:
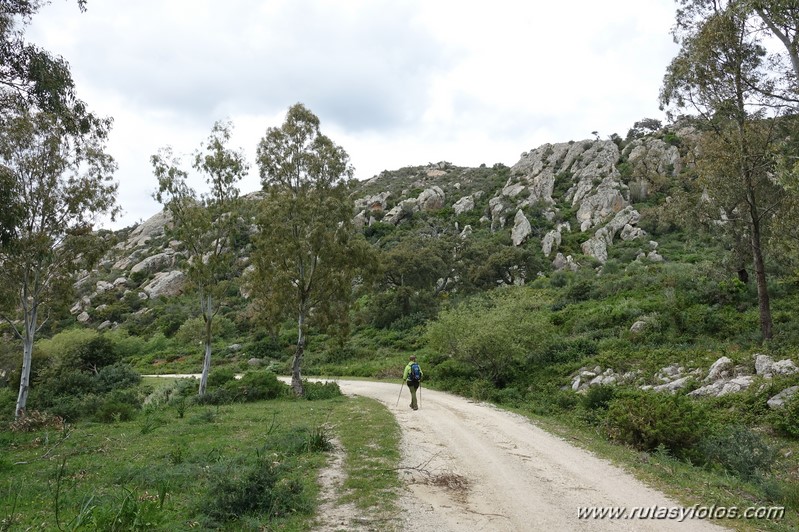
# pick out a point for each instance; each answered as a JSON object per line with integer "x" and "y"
{"x": 521, "y": 229}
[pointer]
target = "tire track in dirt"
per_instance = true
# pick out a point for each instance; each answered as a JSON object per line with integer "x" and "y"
{"x": 470, "y": 466}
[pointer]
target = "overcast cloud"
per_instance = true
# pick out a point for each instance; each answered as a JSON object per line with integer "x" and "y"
{"x": 395, "y": 83}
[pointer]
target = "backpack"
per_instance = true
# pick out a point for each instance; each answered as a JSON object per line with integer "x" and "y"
{"x": 415, "y": 375}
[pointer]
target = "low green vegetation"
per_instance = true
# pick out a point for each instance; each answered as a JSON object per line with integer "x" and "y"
{"x": 182, "y": 464}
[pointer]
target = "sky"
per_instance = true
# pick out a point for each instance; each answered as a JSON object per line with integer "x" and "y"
{"x": 394, "y": 82}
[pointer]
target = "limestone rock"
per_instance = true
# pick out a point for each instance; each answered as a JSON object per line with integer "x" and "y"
{"x": 151, "y": 228}
{"x": 165, "y": 284}
{"x": 629, "y": 232}
{"x": 672, "y": 386}
{"x": 763, "y": 364}
{"x": 784, "y": 367}
{"x": 720, "y": 369}
{"x": 104, "y": 286}
{"x": 779, "y": 400}
{"x": 521, "y": 229}
{"x": 154, "y": 263}
{"x": 562, "y": 262}
{"x": 649, "y": 155}
{"x": 431, "y": 199}
{"x": 465, "y": 204}
{"x": 83, "y": 317}
{"x": 736, "y": 385}
{"x": 553, "y": 238}
{"x": 376, "y": 202}
{"x": 597, "y": 245}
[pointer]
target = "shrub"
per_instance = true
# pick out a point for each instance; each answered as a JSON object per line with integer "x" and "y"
{"x": 264, "y": 487}
{"x": 220, "y": 376}
{"x": 599, "y": 397}
{"x": 256, "y": 386}
{"x": 786, "y": 420}
{"x": 112, "y": 410}
{"x": 316, "y": 391}
{"x": 739, "y": 451}
{"x": 647, "y": 420}
{"x": 114, "y": 377}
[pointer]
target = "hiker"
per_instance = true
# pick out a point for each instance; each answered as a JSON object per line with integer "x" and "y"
{"x": 413, "y": 376}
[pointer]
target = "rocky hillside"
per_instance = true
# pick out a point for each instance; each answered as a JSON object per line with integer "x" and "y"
{"x": 584, "y": 190}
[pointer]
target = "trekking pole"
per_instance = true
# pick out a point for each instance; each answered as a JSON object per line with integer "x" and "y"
{"x": 420, "y": 395}
{"x": 398, "y": 397}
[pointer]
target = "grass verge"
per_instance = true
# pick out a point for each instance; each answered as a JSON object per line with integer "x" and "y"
{"x": 242, "y": 466}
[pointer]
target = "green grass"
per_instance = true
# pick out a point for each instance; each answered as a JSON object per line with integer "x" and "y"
{"x": 161, "y": 472}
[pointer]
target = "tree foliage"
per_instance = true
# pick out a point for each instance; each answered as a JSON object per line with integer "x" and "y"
{"x": 307, "y": 251}
{"x": 723, "y": 74}
{"x": 33, "y": 77}
{"x": 62, "y": 182}
{"x": 206, "y": 224}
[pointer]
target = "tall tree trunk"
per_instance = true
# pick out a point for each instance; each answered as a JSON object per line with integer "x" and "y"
{"x": 208, "y": 317}
{"x": 296, "y": 377}
{"x": 27, "y": 357}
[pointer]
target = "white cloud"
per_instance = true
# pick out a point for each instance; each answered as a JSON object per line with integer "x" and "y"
{"x": 394, "y": 83}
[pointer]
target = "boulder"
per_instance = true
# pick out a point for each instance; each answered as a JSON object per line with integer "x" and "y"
{"x": 629, "y": 232}
{"x": 496, "y": 207}
{"x": 709, "y": 390}
{"x": 165, "y": 284}
{"x": 154, "y": 263}
{"x": 763, "y": 364}
{"x": 153, "y": 227}
{"x": 521, "y": 228}
{"x": 465, "y": 204}
{"x": 104, "y": 286}
{"x": 736, "y": 385}
{"x": 779, "y": 400}
{"x": 512, "y": 191}
{"x": 784, "y": 367}
{"x": 720, "y": 369}
{"x": 431, "y": 199}
{"x": 376, "y": 202}
{"x": 672, "y": 386}
{"x": 562, "y": 262}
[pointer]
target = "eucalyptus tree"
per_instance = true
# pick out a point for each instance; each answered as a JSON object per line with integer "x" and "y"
{"x": 32, "y": 76}
{"x": 61, "y": 182}
{"x": 721, "y": 73}
{"x": 205, "y": 224}
{"x": 308, "y": 254}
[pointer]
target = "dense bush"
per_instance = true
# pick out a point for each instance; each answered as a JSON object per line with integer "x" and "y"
{"x": 316, "y": 391}
{"x": 262, "y": 488}
{"x": 599, "y": 397}
{"x": 491, "y": 334}
{"x": 257, "y": 386}
{"x": 648, "y": 420}
{"x": 738, "y": 450}
{"x": 786, "y": 420}
{"x": 220, "y": 376}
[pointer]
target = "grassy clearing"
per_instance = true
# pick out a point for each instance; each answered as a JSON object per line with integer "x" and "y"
{"x": 243, "y": 466}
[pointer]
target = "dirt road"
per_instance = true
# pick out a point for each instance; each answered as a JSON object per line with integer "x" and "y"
{"x": 470, "y": 467}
